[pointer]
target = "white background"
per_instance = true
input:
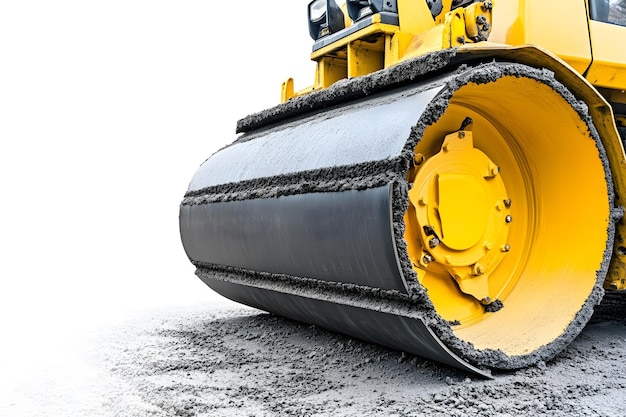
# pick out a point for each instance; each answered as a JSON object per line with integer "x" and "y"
{"x": 107, "y": 108}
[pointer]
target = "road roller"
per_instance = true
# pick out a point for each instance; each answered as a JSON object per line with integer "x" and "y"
{"x": 449, "y": 185}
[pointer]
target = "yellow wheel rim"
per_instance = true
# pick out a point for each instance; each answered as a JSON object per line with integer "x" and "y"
{"x": 519, "y": 214}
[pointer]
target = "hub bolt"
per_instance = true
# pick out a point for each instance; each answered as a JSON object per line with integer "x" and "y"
{"x": 478, "y": 269}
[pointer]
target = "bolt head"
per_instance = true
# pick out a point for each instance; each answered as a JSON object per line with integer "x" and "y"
{"x": 478, "y": 269}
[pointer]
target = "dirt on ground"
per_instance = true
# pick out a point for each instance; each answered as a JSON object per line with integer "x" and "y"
{"x": 237, "y": 361}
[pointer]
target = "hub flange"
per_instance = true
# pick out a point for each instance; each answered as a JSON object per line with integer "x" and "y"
{"x": 463, "y": 212}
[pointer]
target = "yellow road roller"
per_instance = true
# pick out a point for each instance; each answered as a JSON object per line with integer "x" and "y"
{"x": 449, "y": 186}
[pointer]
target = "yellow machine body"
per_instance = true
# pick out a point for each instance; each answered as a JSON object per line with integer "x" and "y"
{"x": 562, "y": 27}
{"x": 451, "y": 185}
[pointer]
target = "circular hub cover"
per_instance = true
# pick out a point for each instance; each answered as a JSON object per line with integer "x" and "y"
{"x": 461, "y": 206}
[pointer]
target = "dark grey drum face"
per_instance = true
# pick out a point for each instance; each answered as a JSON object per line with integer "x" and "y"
{"x": 341, "y": 237}
{"x": 305, "y": 220}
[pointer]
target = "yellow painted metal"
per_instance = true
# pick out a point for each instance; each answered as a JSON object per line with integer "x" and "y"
{"x": 366, "y": 57}
{"x": 559, "y": 208}
{"x": 352, "y": 57}
{"x": 609, "y": 56}
{"x": 415, "y": 16}
{"x": 457, "y": 28}
{"x": 376, "y": 28}
{"x": 287, "y": 92}
{"x": 414, "y": 19}
{"x": 425, "y": 42}
{"x": 560, "y": 26}
{"x": 329, "y": 70}
{"x": 453, "y": 29}
{"x": 461, "y": 204}
{"x": 446, "y": 7}
{"x": 478, "y": 21}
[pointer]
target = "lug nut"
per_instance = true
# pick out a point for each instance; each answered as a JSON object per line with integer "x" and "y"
{"x": 506, "y": 248}
{"x": 507, "y": 203}
{"x": 428, "y": 258}
{"x": 434, "y": 242}
{"x": 508, "y": 218}
{"x": 478, "y": 269}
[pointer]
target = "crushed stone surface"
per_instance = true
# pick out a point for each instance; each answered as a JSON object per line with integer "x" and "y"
{"x": 239, "y": 361}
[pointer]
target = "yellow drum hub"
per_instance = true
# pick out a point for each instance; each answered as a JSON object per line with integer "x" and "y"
{"x": 462, "y": 209}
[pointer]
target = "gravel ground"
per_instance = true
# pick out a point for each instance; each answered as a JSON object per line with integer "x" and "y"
{"x": 237, "y": 361}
